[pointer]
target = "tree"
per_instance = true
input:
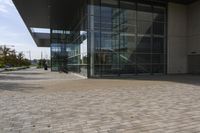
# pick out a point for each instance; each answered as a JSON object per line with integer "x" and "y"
{"x": 20, "y": 56}
{"x": 9, "y": 57}
{"x": 6, "y": 52}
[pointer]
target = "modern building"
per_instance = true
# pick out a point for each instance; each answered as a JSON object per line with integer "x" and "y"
{"x": 115, "y": 38}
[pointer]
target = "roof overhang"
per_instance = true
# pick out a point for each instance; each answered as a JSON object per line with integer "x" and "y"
{"x": 48, "y": 14}
{"x": 43, "y": 39}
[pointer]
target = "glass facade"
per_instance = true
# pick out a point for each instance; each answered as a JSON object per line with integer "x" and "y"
{"x": 69, "y": 47}
{"x": 113, "y": 38}
{"x": 69, "y": 51}
{"x": 59, "y": 55}
{"x": 126, "y": 38}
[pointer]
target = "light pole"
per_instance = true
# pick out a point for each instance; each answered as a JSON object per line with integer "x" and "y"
{"x": 29, "y": 52}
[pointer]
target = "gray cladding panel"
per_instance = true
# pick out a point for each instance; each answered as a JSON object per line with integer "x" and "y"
{"x": 194, "y": 64}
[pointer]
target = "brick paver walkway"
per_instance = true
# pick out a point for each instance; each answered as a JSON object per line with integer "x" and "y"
{"x": 35, "y": 101}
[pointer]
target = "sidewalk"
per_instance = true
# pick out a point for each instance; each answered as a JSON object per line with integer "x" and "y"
{"x": 13, "y": 69}
{"x": 38, "y": 101}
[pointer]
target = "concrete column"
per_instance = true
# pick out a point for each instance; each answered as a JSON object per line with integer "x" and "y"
{"x": 194, "y": 37}
{"x": 177, "y": 38}
{"x": 194, "y": 28}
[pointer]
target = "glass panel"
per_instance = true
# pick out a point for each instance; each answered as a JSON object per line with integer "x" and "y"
{"x": 108, "y": 70}
{"x": 109, "y": 42}
{"x": 158, "y": 28}
{"x": 127, "y": 69}
{"x": 127, "y": 12}
{"x": 109, "y": 3}
{"x": 144, "y": 44}
{"x": 158, "y": 58}
{"x": 97, "y": 69}
{"x": 159, "y": 14}
{"x": 107, "y": 58}
{"x": 143, "y": 69}
{"x": 95, "y": 36}
{"x": 158, "y": 68}
{"x": 58, "y": 57}
{"x": 158, "y": 45}
{"x": 127, "y": 59}
{"x": 143, "y": 58}
{"x": 109, "y": 8}
{"x": 126, "y": 28}
{"x": 127, "y": 43}
{"x": 144, "y": 27}
{"x": 144, "y": 12}
{"x": 94, "y": 8}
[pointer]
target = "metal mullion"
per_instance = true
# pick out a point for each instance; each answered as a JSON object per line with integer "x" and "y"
{"x": 119, "y": 38}
{"x": 136, "y": 38}
{"x": 51, "y": 47}
{"x": 88, "y": 44}
{"x": 166, "y": 40}
{"x": 152, "y": 37}
{"x": 101, "y": 65}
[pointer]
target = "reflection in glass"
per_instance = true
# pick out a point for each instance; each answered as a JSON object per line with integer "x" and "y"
{"x": 144, "y": 44}
{"x": 144, "y": 12}
{"x": 127, "y": 40}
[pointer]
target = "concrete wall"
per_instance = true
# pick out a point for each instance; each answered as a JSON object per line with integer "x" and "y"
{"x": 194, "y": 28}
{"x": 177, "y": 38}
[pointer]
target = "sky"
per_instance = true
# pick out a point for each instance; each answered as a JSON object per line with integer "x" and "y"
{"x": 14, "y": 34}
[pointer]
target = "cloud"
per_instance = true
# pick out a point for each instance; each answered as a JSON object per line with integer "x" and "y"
{"x": 6, "y": 2}
{"x": 2, "y": 28}
{"x": 3, "y": 9}
{"x": 4, "y": 5}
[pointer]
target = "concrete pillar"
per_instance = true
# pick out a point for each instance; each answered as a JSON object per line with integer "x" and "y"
{"x": 177, "y": 38}
{"x": 194, "y": 28}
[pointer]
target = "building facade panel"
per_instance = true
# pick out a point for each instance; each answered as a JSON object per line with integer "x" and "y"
{"x": 177, "y": 38}
{"x": 194, "y": 37}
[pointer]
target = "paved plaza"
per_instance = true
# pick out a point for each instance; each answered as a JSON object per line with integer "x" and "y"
{"x": 37, "y": 101}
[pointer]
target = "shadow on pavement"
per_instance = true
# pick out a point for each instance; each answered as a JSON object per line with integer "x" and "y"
{"x": 24, "y": 73}
{"x": 13, "y": 77}
{"x": 185, "y": 79}
{"x": 18, "y": 87}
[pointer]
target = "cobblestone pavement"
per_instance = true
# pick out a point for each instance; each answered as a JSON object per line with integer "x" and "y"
{"x": 34, "y": 101}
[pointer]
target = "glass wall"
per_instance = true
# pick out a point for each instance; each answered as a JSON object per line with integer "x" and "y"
{"x": 77, "y": 53}
{"x": 69, "y": 47}
{"x": 69, "y": 51}
{"x": 126, "y": 38}
{"x": 59, "y": 55}
{"x": 113, "y": 38}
